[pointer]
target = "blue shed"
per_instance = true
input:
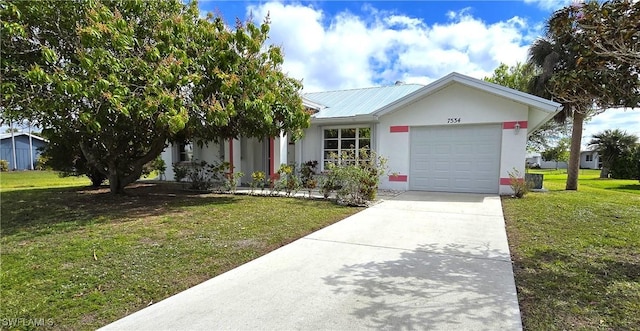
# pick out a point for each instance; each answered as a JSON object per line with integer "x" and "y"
{"x": 22, "y": 149}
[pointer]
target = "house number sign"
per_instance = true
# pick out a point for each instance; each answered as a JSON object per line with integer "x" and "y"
{"x": 453, "y": 120}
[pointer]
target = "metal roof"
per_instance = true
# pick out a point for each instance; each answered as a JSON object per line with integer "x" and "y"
{"x": 348, "y": 103}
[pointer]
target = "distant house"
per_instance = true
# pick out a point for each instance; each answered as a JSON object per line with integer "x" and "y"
{"x": 590, "y": 160}
{"x": 25, "y": 154}
{"x": 535, "y": 160}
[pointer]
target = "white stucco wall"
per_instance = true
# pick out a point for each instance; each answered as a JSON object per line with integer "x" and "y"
{"x": 310, "y": 145}
{"x": 593, "y": 164}
{"x": 167, "y": 156}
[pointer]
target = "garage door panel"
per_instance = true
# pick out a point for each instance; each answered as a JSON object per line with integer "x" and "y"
{"x": 455, "y": 159}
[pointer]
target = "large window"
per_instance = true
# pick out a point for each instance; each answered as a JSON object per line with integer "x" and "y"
{"x": 345, "y": 141}
{"x": 589, "y": 158}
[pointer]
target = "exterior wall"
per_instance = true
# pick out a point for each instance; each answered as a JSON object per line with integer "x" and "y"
{"x": 593, "y": 164}
{"x": 23, "y": 159}
{"x": 310, "y": 145}
{"x": 537, "y": 159}
{"x": 456, "y": 101}
{"x": 512, "y": 153}
{"x": 552, "y": 164}
{"x": 168, "y": 156}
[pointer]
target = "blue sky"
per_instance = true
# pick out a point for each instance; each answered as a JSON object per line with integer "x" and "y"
{"x": 353, "y": 44}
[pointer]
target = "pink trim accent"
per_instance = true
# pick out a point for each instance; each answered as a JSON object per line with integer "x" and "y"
{"x": 398, "y": 128}
{"x": 397, "y": 178}
{"x": 507, "y": 181}
{"x": 271, "y": 156}
{"x": 231, "y": 156}
{"x": 512, "y": 125}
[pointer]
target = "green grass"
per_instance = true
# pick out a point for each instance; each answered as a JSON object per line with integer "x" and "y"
{"x": 33, "y": 179}
{"x": 577, "y": 253}
{"x": 80, "y": 258}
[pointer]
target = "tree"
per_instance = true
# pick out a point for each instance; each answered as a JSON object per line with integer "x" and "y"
{"x": 576, "y": 76}
{"x": 628, "y": 165}
{"x": 118, "y": 79}
{"x": 612, "y": 145}
{"x": 558, "y": 153}
{"x": 519, "y": 77}
{"x": 516, "y": 77}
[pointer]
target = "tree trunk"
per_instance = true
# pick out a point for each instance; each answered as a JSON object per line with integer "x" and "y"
{"x": 573, "y": 168}
{"x": 117, "y": 179}
{"x": 604, "y": 172}
{"x": 115, "y": 184}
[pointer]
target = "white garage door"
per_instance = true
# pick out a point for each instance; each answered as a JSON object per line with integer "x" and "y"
{"x": 463, "y": 158}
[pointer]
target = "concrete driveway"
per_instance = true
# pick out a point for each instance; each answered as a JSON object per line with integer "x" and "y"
{"x": 424, "y": 261}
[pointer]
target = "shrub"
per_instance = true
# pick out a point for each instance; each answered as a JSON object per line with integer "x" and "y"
{"x": 307, "y": 175}
{"x": 329, "y": 183}
{"x": 41, "y": 162}
{"x": 288, "y": 180}
{"x": 258, "y": 180}
{"x": 4, "y": 165}
{"x": 519, "y": 186}
{"x": 627, "y": 165}
{"x": 200, "y": 175}
{"x": 180, "y": 172}
{"x": 355, "y": 177}
{"x": 231, "y": 182}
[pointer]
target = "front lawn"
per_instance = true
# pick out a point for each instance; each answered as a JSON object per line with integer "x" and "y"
{"x": 14, "y": 180}
{"x": 79, "y": 258}
{"x": 577, "y": 254}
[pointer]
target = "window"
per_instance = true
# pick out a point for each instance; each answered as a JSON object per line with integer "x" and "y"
{"x": 185, "y": 152}
{"x": 589, "y": 158}
{"x": 349, "y": 140}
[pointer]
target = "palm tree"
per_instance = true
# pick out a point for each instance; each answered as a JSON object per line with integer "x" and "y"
{"x": 610, "y": 145}
{"x": 551, "y": 56}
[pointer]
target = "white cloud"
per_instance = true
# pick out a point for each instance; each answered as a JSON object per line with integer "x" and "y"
{"x": 620, "y": 118}
{"x": 350, "y": 51}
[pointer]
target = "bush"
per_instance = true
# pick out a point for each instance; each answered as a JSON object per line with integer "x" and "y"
{"x": 232, "y": 180}
{"x": 4, "y": 165}
{"x": 355, "y": 177}
{"x": 519, "y": 186}
{"x": 627, "y": 166}
{"x": 288, "y": 181}
{"x": 180, "y": 171}
{"x": 258, "y": 179}
{"x": 41, "y": 163}
{"x": 308, "y": 175}
{"x": 203, "y": 176}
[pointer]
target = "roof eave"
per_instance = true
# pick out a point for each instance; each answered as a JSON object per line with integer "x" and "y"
{"x": 364, "y": 118}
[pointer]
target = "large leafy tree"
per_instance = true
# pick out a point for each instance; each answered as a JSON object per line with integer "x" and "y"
{"x": 519, "y": 77}
{"x": 580, "y": 78}
{"x": 612, "y": 145}
{"x": 121, "y": 78}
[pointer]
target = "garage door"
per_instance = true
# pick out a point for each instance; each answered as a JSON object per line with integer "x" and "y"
{"x": 463, "y": 158}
